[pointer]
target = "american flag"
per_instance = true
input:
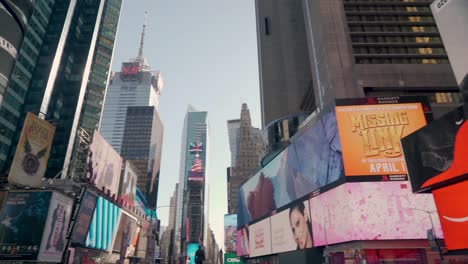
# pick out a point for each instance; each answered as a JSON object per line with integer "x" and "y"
{"x": 197, "y": 164}
{"x": 196, "y": 147}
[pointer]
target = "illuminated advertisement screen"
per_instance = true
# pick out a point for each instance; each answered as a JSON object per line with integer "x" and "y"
{"x": 103, "y": 165}
{"x": 103, "y": 226}
{"x": 123, "y": 237}
{"x": 371, "y": 211}
{"x": 260, "y": 238}
{"x": 129, "y": 183}
{"x": 243, "y": 242}
{"x": 83, "y": 219}
{"x": 129, "y": 71}
{"x": 191, "y": 250}
{"x": 430, "y": 152}
{"x": 312, "y": 161}
{"x": 291, "y": 229}
{"x": 370, "y": 136}
{"x": 22, "y": 219}
{"x": 230, "y": 233}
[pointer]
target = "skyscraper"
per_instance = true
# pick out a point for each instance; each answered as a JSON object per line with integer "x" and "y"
{"x": 284, "y": 64}
{"x": 134, "y": 85}
{"x": 21, "y": 39}
{"x": 142, "y": 145}
{"x": 70, "y": 77}
{"x": 190, "y": 201}
{"x": 249, "y": 153}
{"x": 356, "y": 49}
{"x": 233, "y": 134}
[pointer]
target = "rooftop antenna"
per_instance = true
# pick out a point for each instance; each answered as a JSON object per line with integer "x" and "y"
{"x": 142, "y": 40}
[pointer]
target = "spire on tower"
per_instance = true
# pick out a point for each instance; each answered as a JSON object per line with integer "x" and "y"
{"x": 142, "y": 40}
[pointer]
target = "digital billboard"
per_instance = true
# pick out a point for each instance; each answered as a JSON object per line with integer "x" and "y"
{"x": 191, "y": 250}
{"x": 230, "y": 232}
{"x": 32, "y": 153}
{"x": 129, "y": 71}
{"x": 312, "y": 161}
{"x": 243, "y": 242}
{"x": 54, "y": 239}
{"x": 260, "y": 238}
{"x": 371, "y": 211}
{"x": 435, "y": 154}
{"x": 103, "y": 165}
{"x": 129, "y": 183}
{"x": 103, "y": 226}
{"x": 123, "y": 237}
{"x": 83, "y": 219}
{"x": 22, "y": 221}
{"x": 291, "y": 229}
{"x": 370, "y": 136}
{"x": 451, "y": 204}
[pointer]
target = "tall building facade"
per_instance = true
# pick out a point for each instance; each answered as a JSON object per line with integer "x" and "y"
{"x": 189, "y": 225}
{"x": 233, "y": 134}
{"x": 354, "y": 49}
{"x": 69, "y": 78}
{"x": 285, "y": 68}
{"x": 142, "y": 145}
{"x": 24, "y": 26}
{"x": 167, "y": 241}
{"x": 249, "y": 153}
{"x": 134, "y": 85}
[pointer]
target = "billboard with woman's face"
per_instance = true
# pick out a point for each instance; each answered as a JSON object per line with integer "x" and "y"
{"x": 291, "y": 228}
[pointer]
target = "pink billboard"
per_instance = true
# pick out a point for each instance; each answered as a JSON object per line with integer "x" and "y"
{"x": 371, "y": 211}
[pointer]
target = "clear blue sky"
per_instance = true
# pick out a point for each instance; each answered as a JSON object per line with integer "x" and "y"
{"x": 207, "y": 52}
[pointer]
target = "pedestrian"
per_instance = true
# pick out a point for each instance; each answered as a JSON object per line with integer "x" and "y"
{"x": 199, "y": 255}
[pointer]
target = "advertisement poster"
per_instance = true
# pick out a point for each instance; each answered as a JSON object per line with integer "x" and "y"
{"x": 123, "y": 237}
{"x": 55, "y": 231}
{"x": 32, "y": 153}
{"x": 83, "y": 219}
{"x": 103, "y": 226}
{"x": 312, "y": 161}
{"x": 22, "y": 220}
{"x": 291, "y": 229}
{"x": 430, "y": 153}
{"x": 191, "y": 250}
{"x": 231, "y": 258}
{"x": 370, "y": 136}
{"x": 103, "y": 165}
{"x": 230, "y": 232}
{"x": 243, "y": 242}
{"x": 129, "y": 183}
{"x": 260, "y": 239}
{"x": 371, "y": 211}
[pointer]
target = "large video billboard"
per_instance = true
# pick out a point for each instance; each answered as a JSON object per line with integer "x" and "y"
{"x": 230, "y": 232}
{"x": 370, "y": 136}
{"x": 291, "y": 229}
{"x": 103, "y": 226}
{"x": 83, "y": 219}
{"x": 129, "y": 183}
{"x": 22, "y": 221}
{"x": 371, "y": 211}
{"x": 103, "y": 166}
{"x": 124, "y": 235}
{"x": 191, "y": 250}
{"x": 431, "y": 153}
{"x": 54, "y": 240}
{"x": 260, "y": 238}
{"x": 243, "y": 242}
{"x": 32, "y": 153}
{"x": 312, "y": 161}
{"x": 436, "y": 156}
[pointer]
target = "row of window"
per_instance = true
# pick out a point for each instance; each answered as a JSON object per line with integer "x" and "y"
{"x": 400, "y": 61}
{"x": 399, "y": 50}
{"x": 387, "y": 8}
{"x": 396, "y": 39}
{"x": 388, "y": 18}
{"x": 392, "y": 28}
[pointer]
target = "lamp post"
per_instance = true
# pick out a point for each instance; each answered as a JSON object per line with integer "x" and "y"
{"x": 429, "y": 214}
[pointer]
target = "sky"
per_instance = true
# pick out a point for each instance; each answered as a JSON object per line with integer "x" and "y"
{"x": 207, "y": 53}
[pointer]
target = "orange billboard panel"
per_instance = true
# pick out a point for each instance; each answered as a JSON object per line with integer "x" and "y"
{"x": 370, "y": 136}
